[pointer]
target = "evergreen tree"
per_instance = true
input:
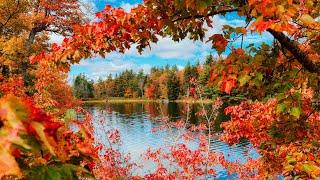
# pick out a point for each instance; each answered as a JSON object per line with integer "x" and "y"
{"x": 163, "y": 82}
{"x": 173, "y": 86}
{"x": 99, "y": 89}
{"x": 208, "y": 92}
{"x": 174, "y": 68}
{"x": 206, "y": 67}
{"x": 82, "y": 87}
{"x": 209, "y": 60}
{"x": 141, "y": 78}
{"x": 119, "y": 86}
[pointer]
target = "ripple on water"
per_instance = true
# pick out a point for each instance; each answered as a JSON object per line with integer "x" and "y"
{"x": 135, "y": 130}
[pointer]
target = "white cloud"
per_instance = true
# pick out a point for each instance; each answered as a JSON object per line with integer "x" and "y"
{"x": 55, "y": 38}
{"x": 186, "y": 49}
{"x": 88, "y": 8}
{"x": 96, "y": 69}
{"x": 127, "y": 6}
{"x": 180, "y": 67}
{"x": 165, "y": 49}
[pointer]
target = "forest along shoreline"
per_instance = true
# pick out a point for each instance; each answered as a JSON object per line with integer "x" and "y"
{"x": 144, "y": 100}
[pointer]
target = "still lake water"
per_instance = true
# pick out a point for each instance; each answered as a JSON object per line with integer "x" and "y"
{"x": 135, "y": 122}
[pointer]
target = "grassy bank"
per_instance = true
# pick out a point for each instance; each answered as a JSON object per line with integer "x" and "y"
{"x": 142, "y": 100}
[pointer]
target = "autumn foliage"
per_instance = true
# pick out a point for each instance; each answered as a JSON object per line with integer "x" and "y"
{"x": 34, "y": 138}
{"x": 150, "y": 91}
{"x": 280, "y": 83}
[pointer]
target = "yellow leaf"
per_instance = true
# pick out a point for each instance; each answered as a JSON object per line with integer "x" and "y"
{"x": 311, "y": 169}
{"x": 307, "y": 19}
{"x": 8, "y": 165}
{"x": 40, "y": 131}
{"x": 10, "y": 136}
{"x": 14, "y": 111}
{"x": 280, "y": 9}
{"x": 244, "y": 79}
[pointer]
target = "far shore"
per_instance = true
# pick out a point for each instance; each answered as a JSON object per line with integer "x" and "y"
{"x": 143, "y": 100}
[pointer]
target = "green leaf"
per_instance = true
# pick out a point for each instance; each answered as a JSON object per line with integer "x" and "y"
{"x": 259, "y": 76}
{"x": 52, "y": 174}
{"x": 295, "y": 111}
{"x": 281, "y": 107}
{"x": 287, "y": 87}
{"x": 258, "y": 79}
{"x": 297, "y": 96}
{"x": 57, "y": 172}
{"x": 280, "y": 96}
{"x": 209, "y": 2}
{"x": 250, "y": 45}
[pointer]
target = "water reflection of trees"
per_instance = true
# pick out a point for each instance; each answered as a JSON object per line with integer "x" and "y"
{"x": 156, "y": 110}
{"x": 152, "y": 109}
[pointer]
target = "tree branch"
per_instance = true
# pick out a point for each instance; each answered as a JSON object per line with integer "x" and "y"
{"x": 10, "y": 16}
{"x": 205, "y": 15}
{"x": 294, "y": 49}
{"x": 285, "y": 41}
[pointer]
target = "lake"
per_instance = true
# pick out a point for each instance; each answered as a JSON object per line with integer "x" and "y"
{"x": 135, "y": 122}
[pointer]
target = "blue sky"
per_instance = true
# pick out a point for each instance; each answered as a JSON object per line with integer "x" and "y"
{"x": 164, "y": 52}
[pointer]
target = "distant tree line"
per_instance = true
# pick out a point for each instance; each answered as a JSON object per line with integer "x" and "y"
{"x": 162, "y": 83}
{"x": 83, "y": 88}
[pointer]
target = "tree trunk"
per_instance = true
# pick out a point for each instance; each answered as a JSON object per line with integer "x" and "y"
{"x": 31, "y": 37}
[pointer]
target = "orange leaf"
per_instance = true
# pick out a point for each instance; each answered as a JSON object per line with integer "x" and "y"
{"x": 228, "y": 85}
{"x": 8, "y": 165}
{"x": 219, "y": 42}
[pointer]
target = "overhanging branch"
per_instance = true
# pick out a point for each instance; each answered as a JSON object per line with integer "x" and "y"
{"x": 286, "y": 42}
{"x": 197, "y": 16}
{"x": 294, "y": 49}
